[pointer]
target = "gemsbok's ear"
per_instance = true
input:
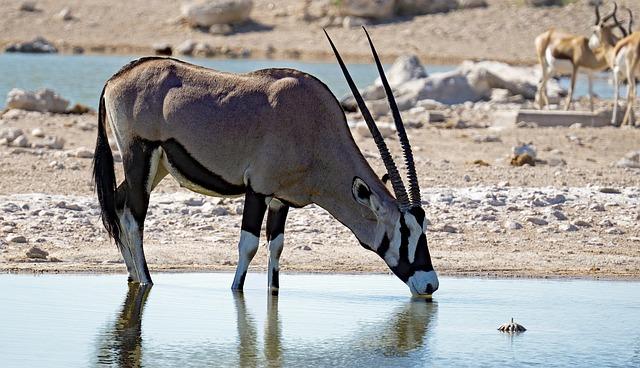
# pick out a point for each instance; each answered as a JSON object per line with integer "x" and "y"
{"x": 363, "y": 195}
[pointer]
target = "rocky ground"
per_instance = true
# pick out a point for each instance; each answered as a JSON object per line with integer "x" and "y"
{"x": 504, "y": 30}
{"x": 575, "y": 213}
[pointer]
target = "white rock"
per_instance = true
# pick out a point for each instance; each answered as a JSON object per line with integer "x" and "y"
{"x": 37, "y": 132}
{"x": 568, "y": 227}
{"x": 43, "y": 100}
{"x": 205, "y": 13}
{"x": 386, "y": 130}
{"x": 10, "y": 133}
{"x": 404, "y": 68}
{"x": 194, "y": 201}
{"x": 16, "y": 239}
{"x": 630, "y": 160}
{"x": 187, "y": 47}
{"x": 65, "y": 14}
{"x": 614, "y": 231}
{"x": 20, "y": 141}
{"x": 523, "y": 148}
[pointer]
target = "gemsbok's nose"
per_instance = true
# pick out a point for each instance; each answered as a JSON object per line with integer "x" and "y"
{"x": 431, "y": 289}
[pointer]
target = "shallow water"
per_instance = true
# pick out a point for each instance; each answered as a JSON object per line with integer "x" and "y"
{"x": 80, "y": 77}
{"x": 318, "y": 320}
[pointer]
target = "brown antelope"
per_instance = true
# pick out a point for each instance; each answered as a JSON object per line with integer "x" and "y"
{"x": 277, "y": 136}
{"x": 561, "y": 53}
{"x": 625, "y": 67}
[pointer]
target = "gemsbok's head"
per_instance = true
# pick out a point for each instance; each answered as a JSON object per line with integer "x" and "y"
{"x": 400, "y": 231}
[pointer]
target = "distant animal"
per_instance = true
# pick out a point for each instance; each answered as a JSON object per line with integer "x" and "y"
{"x": 626, "y": 67}
{"x": 560, "y": 53}
{"x": 276, "y": 136}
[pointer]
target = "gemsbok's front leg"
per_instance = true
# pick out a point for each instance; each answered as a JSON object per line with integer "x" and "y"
{"x": 276, "y": 219}
{"x": 255, "y": 205}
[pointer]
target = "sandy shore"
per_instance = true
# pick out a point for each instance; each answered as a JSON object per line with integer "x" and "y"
{"x": 579, "y": 218}
{"x": 503, "y": 31}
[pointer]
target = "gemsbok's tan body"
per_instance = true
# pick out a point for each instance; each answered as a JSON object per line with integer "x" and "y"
{"x": 277, "y": 136}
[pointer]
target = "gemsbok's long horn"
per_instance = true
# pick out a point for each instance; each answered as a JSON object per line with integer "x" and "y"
{"x": 390, "y": 165}
{"x": 597, "y": 14}
{"x": 414, "y": 186}
{"x": 630, "y": 28}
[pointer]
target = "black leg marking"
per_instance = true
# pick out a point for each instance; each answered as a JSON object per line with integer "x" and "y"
{"x": 276, "y": 220}
{"x": 275, "y": 281}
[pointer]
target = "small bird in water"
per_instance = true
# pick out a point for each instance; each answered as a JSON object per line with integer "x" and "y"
{"x": 511, "y": 327}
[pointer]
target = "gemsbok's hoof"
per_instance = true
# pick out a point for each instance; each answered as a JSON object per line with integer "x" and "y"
{"x": 511, "y": 327}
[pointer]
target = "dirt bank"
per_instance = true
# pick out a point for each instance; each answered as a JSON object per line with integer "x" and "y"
{"x": 503, "y": 31}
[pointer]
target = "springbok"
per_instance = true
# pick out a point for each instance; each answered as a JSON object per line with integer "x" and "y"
{"x": 278, "y": 136}
{"x": 626, "y": 65}
{"x": 561, "y": 53}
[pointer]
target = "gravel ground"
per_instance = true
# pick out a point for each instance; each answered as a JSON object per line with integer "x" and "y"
{"x": 577, "y": 215}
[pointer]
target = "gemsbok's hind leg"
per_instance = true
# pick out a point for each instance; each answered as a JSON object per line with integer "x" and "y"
{"x": 276, "y": 219}
{"x": 142, "y": 172}
{"x": 255, "y": 205}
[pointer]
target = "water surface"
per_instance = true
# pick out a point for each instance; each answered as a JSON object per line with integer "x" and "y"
{"x": 317, "y": 321}
{"x": 80, "y": 77}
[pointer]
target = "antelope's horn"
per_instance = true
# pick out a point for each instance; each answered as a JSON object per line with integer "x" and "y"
{"x": 620, "y": 27}
{"x": 390, "y": 165}
{"x": 597, "y": 14}
{"x": 414, "y": 186}
{"x": 613, "y": 13}
{"x": 630, "y": 28}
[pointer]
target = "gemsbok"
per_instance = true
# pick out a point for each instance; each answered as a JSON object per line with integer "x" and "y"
{"x": 561, "y": 53}
{"x": 626, "y": 67}
{"x": 277, "y": 136}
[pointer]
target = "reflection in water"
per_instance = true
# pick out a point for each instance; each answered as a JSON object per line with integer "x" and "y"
{"x": 122, "y": 345}
{"x": 396, "y": 337}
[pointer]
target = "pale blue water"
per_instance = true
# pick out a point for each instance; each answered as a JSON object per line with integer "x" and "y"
{"x": 194, "y": 320}
{"x": 80, "y": 77}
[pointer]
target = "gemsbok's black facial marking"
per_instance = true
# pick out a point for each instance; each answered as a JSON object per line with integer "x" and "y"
{"x": 195, "y": 172}
{"x": 384, "y": 246}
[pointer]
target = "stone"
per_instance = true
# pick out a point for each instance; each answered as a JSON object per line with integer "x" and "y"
{"x": 186, "y": 47}
{"x": 205, "y": 13}
{"x": 568, "y": 227}
{"x": 43, "y": 100}
{"x": 386, "y": 130}
{"x": 556, "y": 199}
{"x": 447, "y": 228}
{"x": 524, "y": 159}
{"x": 419, "y": 7}
{"x": 525, "y": 148}
{"x": 64, "y": 14}
{"x": 38, "y": 45}
{"x": 19, "y": 239}
{"x": 404, "y": 69}
{"x": 37, "y": 253}
{"x": 542, "y": 2}
{"x": 21, "y": 141}
{"x": 79, "y": 109}
{"x": 537, "y": 221}
{"x": 219, "y": 211}
{"x": 194, "y": 202}
{"x": 375, "y": 9}
{"x": 512, "y": 225}
{"x": 630, "y": 160}
{"x": 81, "y": 152}
{"x": 486, "y": 138}
{"x": 28, "y": 6}
{"x": 466, "y": 178}
{"x": 559, "y": 215}
{"x": 609, "y": 190}
{"x": 470, "y": 4}
{"x": 597, "y": 207}
{"x": 37, "y": 132}
{"x": 606, "y": 223}
{"x": 220, "y": 29}
{"x": 614, "y": 231}
{"x": 162, "y": 49}
{"x": 11, "y": 133}
{"x": 582, "y": 223}
{"x": 50, "y": 142}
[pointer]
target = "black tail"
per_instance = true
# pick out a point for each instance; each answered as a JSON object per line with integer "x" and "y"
{"x": 104, "y": 176}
